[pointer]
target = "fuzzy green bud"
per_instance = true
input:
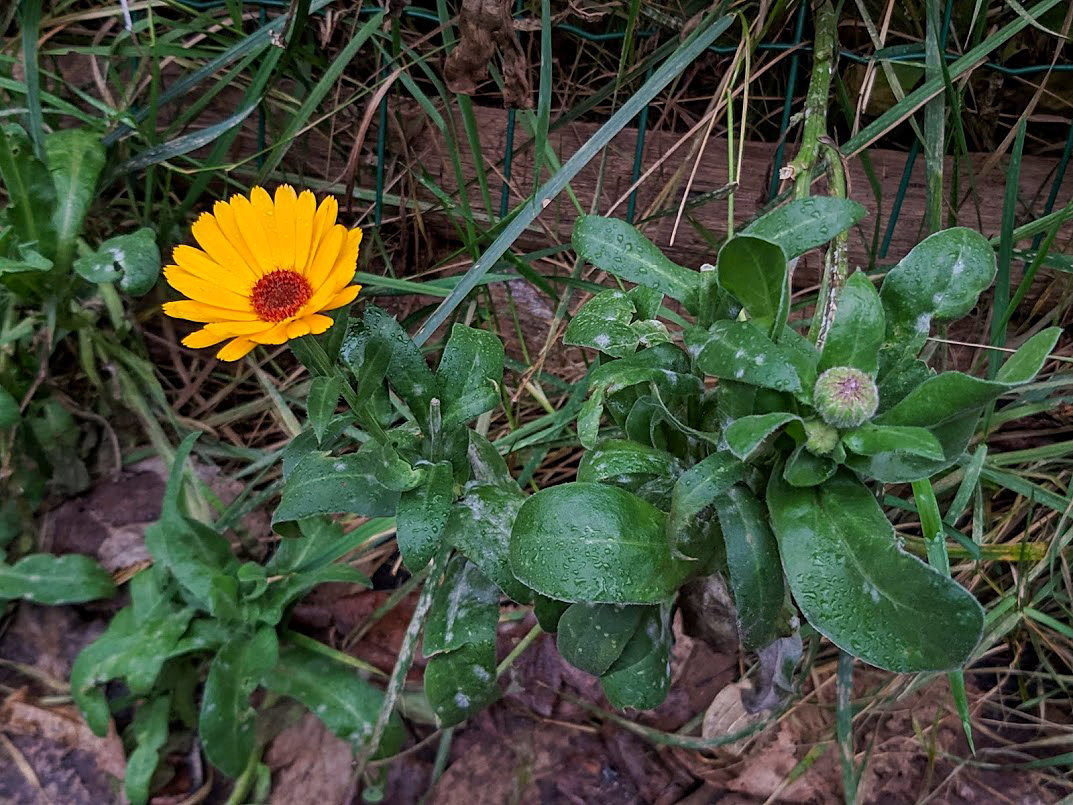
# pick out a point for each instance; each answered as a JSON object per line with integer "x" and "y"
{"x": 821, "y": 437}
{"x": 845, "y": 397}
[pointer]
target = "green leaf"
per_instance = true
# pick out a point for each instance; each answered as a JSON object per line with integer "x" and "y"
{"x": 871, "y": 440}
{"x": 347, "y": 704}
{"x": 194, "y": 553}
{"x": 75, "y": 160}
{"x": 588, "y": 419}
{"x": 592, "y": 636}
{"x": 26, "y": 259}
{"x": 324, "y": 393}
{"x": 618, "y": 248}
{"x": 480, "y": 526}
{"x": 130, "y": 649}
{"x": 548, "y": 612}
{"x": 804, "y": 224}
{"x": 594, "y": 543}
{"x": 950, "y": 394}
{"x": 666, "y": 365}
{"x": 31, "y": 193}
{"x": 422, "y": 516}
{"x": 858, "y": 588}
{"x": 227, "y": 719}
{"x": 753, "y": 271}
{"x": 621, "y": 457}
{"x": 367, "y": 482}
{"x": 311, "y": 550}
{"x": 132, "y": 260}
{"x": 149, "y": 731}
{"x": 461, "y": 683}
{"x": 745, "y": 436}
{"x": 646, "y": 301}
{"x": 892, "y": 467}
{"x": 470, "y": 373}
{"x": 804, "y": 468}
{"x": 47, "y": 579}
{"x": 940, "y": 278}
{"x": 9, "y": 409}
{"x": 857, "y": 332}
{"x": 408, "y": 372}
{"x": 603, "y": 323}
{"x": 367, "y": 352}
{"x": 464, "y": 611}
{"x": 641, "y": 676}
{"x": 486, "y": 464}
{"x": 697, "y": 489}
{"x": 737, "y": 350}
{"x": 753, "y": 564}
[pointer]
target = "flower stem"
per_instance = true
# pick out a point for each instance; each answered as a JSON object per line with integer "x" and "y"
{"x": 312, "y": 355}
{"x": 816, "y": 99}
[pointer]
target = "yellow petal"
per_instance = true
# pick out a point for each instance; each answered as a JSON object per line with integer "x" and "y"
{"x": 323, "y": 223}
{"x": 304, "y": 211}
{"x": 347, "y": 262}
{"x": 286, "y": 201}
{"x": 324, "y": 260}
{"x": 202, "y": 338}
{"x": 209, "y": 233}
{"x": 296, "y": 329}
{"x": 273, "y": 335}
{"x": 251, "y": 226}
{"x": 266, "y": 208}
{"x": 200, "y": 290}
{"x": 243, "y": 328}
{"x": 236, "y": 349}
{"x": 198, "y": 263}
{"x": 232, "y": 232}
{"x": 317, "y": 323}
{"x": 344, "y": 297}
{"x": 198, "y": 311}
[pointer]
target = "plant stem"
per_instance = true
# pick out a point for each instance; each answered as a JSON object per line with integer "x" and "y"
{"x": 836, "y": 261}
{"x": 819, "y": 88}
{"x": 402, "y": 664}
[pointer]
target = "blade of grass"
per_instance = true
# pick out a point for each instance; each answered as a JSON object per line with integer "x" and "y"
{"x": 844, "y": 726}
{"x": 684, "y": 55}
{"x": 30, "y": 14}
{"x": 931, "y": 525}
{"x": 934, "y": 120}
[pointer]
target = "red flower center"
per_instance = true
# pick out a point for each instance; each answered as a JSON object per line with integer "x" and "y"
{"x": 280, "y": 295}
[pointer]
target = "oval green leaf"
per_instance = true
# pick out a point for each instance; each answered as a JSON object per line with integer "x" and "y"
{"x": 594, "y": 543}
{"x": 753, "y": 563}
{"x": 618, "y": 248}
{"x": 592, "y": 636}
{"x": 856, "y": 334}
{"x": 858, "y": 588}
{"x": 806, "y": 223}
{"x": 753, "y": 271}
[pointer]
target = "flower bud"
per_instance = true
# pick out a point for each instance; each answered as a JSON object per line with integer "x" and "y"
{"x": 822, "y": 438}
{"x": 845, "y": 397}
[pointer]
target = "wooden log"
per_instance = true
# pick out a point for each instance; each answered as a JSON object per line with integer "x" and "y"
{"x": 980, "y": 210}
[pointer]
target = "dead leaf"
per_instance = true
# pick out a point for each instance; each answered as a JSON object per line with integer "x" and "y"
{"x": 63, "y": 726}
{"x": 485, "y": 26}
{"x": 309, "y": 764}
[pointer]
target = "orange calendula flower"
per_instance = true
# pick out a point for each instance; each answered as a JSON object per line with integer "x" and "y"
{"x": 266, "y": 271}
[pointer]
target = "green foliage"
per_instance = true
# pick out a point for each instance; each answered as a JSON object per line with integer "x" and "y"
{"x": 769, "y": 474}
{"x": 199, "y": 607}
{"x": 46, "y": 579}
